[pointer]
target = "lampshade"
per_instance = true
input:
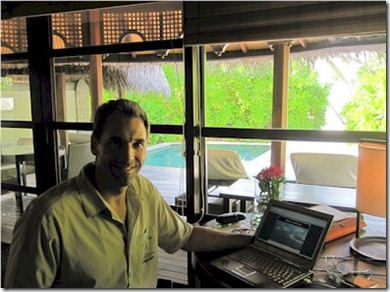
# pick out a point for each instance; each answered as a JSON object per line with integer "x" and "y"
{"x": 371, "y": 179}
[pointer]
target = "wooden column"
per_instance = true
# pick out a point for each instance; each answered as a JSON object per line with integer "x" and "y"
{"x": 95, "y": 66}
{"x": 39, "y": 40}
{"x": 280, "y": 98}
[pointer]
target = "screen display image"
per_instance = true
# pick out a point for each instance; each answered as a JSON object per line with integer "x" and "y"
{"x": 289, "y": 233}
{"x": 292, "y": 231}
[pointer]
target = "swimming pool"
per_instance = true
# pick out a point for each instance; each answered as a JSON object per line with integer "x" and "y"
{"x": 170, "y": 154}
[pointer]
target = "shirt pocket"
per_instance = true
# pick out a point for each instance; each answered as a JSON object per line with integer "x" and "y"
{"x": 145, "y": 267}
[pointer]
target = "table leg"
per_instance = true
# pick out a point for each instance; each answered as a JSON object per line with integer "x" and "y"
{"x": 18, "y": 170}
{"x": 21, "y": 171}
{"x": 24, "y": 173}
{"x": 226, "y": 205}
{"x": 19, "y": 203}
{"x": 243, "y": 206}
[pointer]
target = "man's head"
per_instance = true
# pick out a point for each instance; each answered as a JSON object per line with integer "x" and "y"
{"x": 127, "y": 107}
{"x": 119, "y": 140}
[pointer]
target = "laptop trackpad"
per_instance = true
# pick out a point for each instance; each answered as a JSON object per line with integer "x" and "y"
{"x": 253, "y": 276}
{"x": 243, "y": 271}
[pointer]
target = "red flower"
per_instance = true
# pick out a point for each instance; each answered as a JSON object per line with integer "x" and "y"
{"x": 270, "y": 173}
{"x": 270, "y": 179}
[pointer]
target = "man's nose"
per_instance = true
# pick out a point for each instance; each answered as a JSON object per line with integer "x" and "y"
{"x": 129, "y": 151}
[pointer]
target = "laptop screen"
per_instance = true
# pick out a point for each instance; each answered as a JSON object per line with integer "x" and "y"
{"x": 297, "y": 231}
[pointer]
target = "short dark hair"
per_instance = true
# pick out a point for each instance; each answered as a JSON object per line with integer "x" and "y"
{"x": 127, "y": 107}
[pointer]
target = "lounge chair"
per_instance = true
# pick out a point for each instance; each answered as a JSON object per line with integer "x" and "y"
{"x": 326, "y": 169}
{"x": 224, "y": 167}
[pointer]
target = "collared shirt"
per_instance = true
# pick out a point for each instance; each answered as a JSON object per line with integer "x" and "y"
{"x": 70, "y": 237}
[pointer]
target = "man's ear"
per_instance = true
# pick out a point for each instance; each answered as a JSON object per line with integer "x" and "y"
{"x": 93, "y": 145}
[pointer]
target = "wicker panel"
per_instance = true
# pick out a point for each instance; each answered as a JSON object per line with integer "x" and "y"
{"x": 68, "y": 27}
{"x": 172, "y": 23}
{"x": 151, "y": 26}
{"x": 13, "y": 36}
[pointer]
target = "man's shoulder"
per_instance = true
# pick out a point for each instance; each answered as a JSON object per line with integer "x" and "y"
{"x": 142, "y": 181}
{"x": 144, "y": 185}
{"x": 63, "y": 193}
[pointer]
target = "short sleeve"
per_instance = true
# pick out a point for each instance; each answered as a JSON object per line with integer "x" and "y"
{"x": 34, "y": 254}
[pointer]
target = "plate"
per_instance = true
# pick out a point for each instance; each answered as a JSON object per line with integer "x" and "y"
{"x": 373, "y": 247}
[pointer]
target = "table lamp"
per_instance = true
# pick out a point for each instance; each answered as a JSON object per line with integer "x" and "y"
{"x": 371, "y": 196}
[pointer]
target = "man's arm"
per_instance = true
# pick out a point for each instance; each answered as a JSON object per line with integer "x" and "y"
{"x": 32, "y": 261}
{"x": 208, "y": 239}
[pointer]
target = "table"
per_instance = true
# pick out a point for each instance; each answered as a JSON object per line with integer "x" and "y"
{"x": 244, "y": 190}
{"x": 334, "y": 253}
{"x": 22, "y": 153}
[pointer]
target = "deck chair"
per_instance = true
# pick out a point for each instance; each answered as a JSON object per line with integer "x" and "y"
{"x": 224, "y": 167}
{"x": 79, "y": 155}
{"x": 326, "y": 169}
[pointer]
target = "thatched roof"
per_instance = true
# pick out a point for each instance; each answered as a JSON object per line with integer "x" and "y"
{"x": 141, "y": 78}
{"x": 136, "y": 77}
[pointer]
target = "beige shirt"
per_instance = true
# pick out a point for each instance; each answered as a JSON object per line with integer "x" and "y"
{"x": 70, "y": 237}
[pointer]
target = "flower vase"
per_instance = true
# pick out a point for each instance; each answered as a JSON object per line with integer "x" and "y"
{"x": 261, "y": 201}
{"x": 259, "y": 205}
{"x": 277, "y": 191}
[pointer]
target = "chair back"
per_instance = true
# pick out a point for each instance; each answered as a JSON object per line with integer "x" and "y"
{"x": 225, "y": 165}
{"x": 326, "y": 169}
{"x": 79, "y": 155}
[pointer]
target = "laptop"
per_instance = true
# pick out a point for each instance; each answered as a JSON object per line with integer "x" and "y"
{"x": 284, "y": 249}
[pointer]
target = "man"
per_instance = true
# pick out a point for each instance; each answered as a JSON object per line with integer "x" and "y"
{"x": 102, "y": 229}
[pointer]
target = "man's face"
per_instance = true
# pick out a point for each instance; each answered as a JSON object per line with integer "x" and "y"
{"x": 121, "y": 151}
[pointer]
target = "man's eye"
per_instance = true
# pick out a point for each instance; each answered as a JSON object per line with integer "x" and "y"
{"x": 138, "y": 145}
{"x": 114, "y": 142}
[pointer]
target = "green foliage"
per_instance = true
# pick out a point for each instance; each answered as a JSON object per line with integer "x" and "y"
{"x": 6, "y": 83}
{"x": 367, "y": 109}
{"x": 240, "y": 95}
{"x": 307, "y": 98}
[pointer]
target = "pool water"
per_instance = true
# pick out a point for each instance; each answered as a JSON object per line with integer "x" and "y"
{"x": 171, "y": 155}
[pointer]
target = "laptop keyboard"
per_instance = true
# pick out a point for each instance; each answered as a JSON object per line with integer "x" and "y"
{"x": 279, "y": 272}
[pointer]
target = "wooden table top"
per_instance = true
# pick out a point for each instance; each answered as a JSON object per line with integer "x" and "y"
{"x": 335, "y": 256}
{"x": 244, "y": 189}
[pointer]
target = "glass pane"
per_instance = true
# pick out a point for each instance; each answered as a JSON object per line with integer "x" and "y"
{"x": 157, "y": 86}
{"x": 244, "y": 157}
{"x": 229, "y": 162}
{"x": 344, "y": 91}
{"x": 350, "y": 149}
{"x": 15, "y": 93}
{"x": 75, "y": 152}
{"x": 165, "y": 166}
{"x": 17, "y": 157}
{"x": 239, "y": 93}
{"x": 13, "y": 36}
{"x": 255, "y": 155}
{"x": 125, "y": 24}
{"x": 333, "y": 89}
